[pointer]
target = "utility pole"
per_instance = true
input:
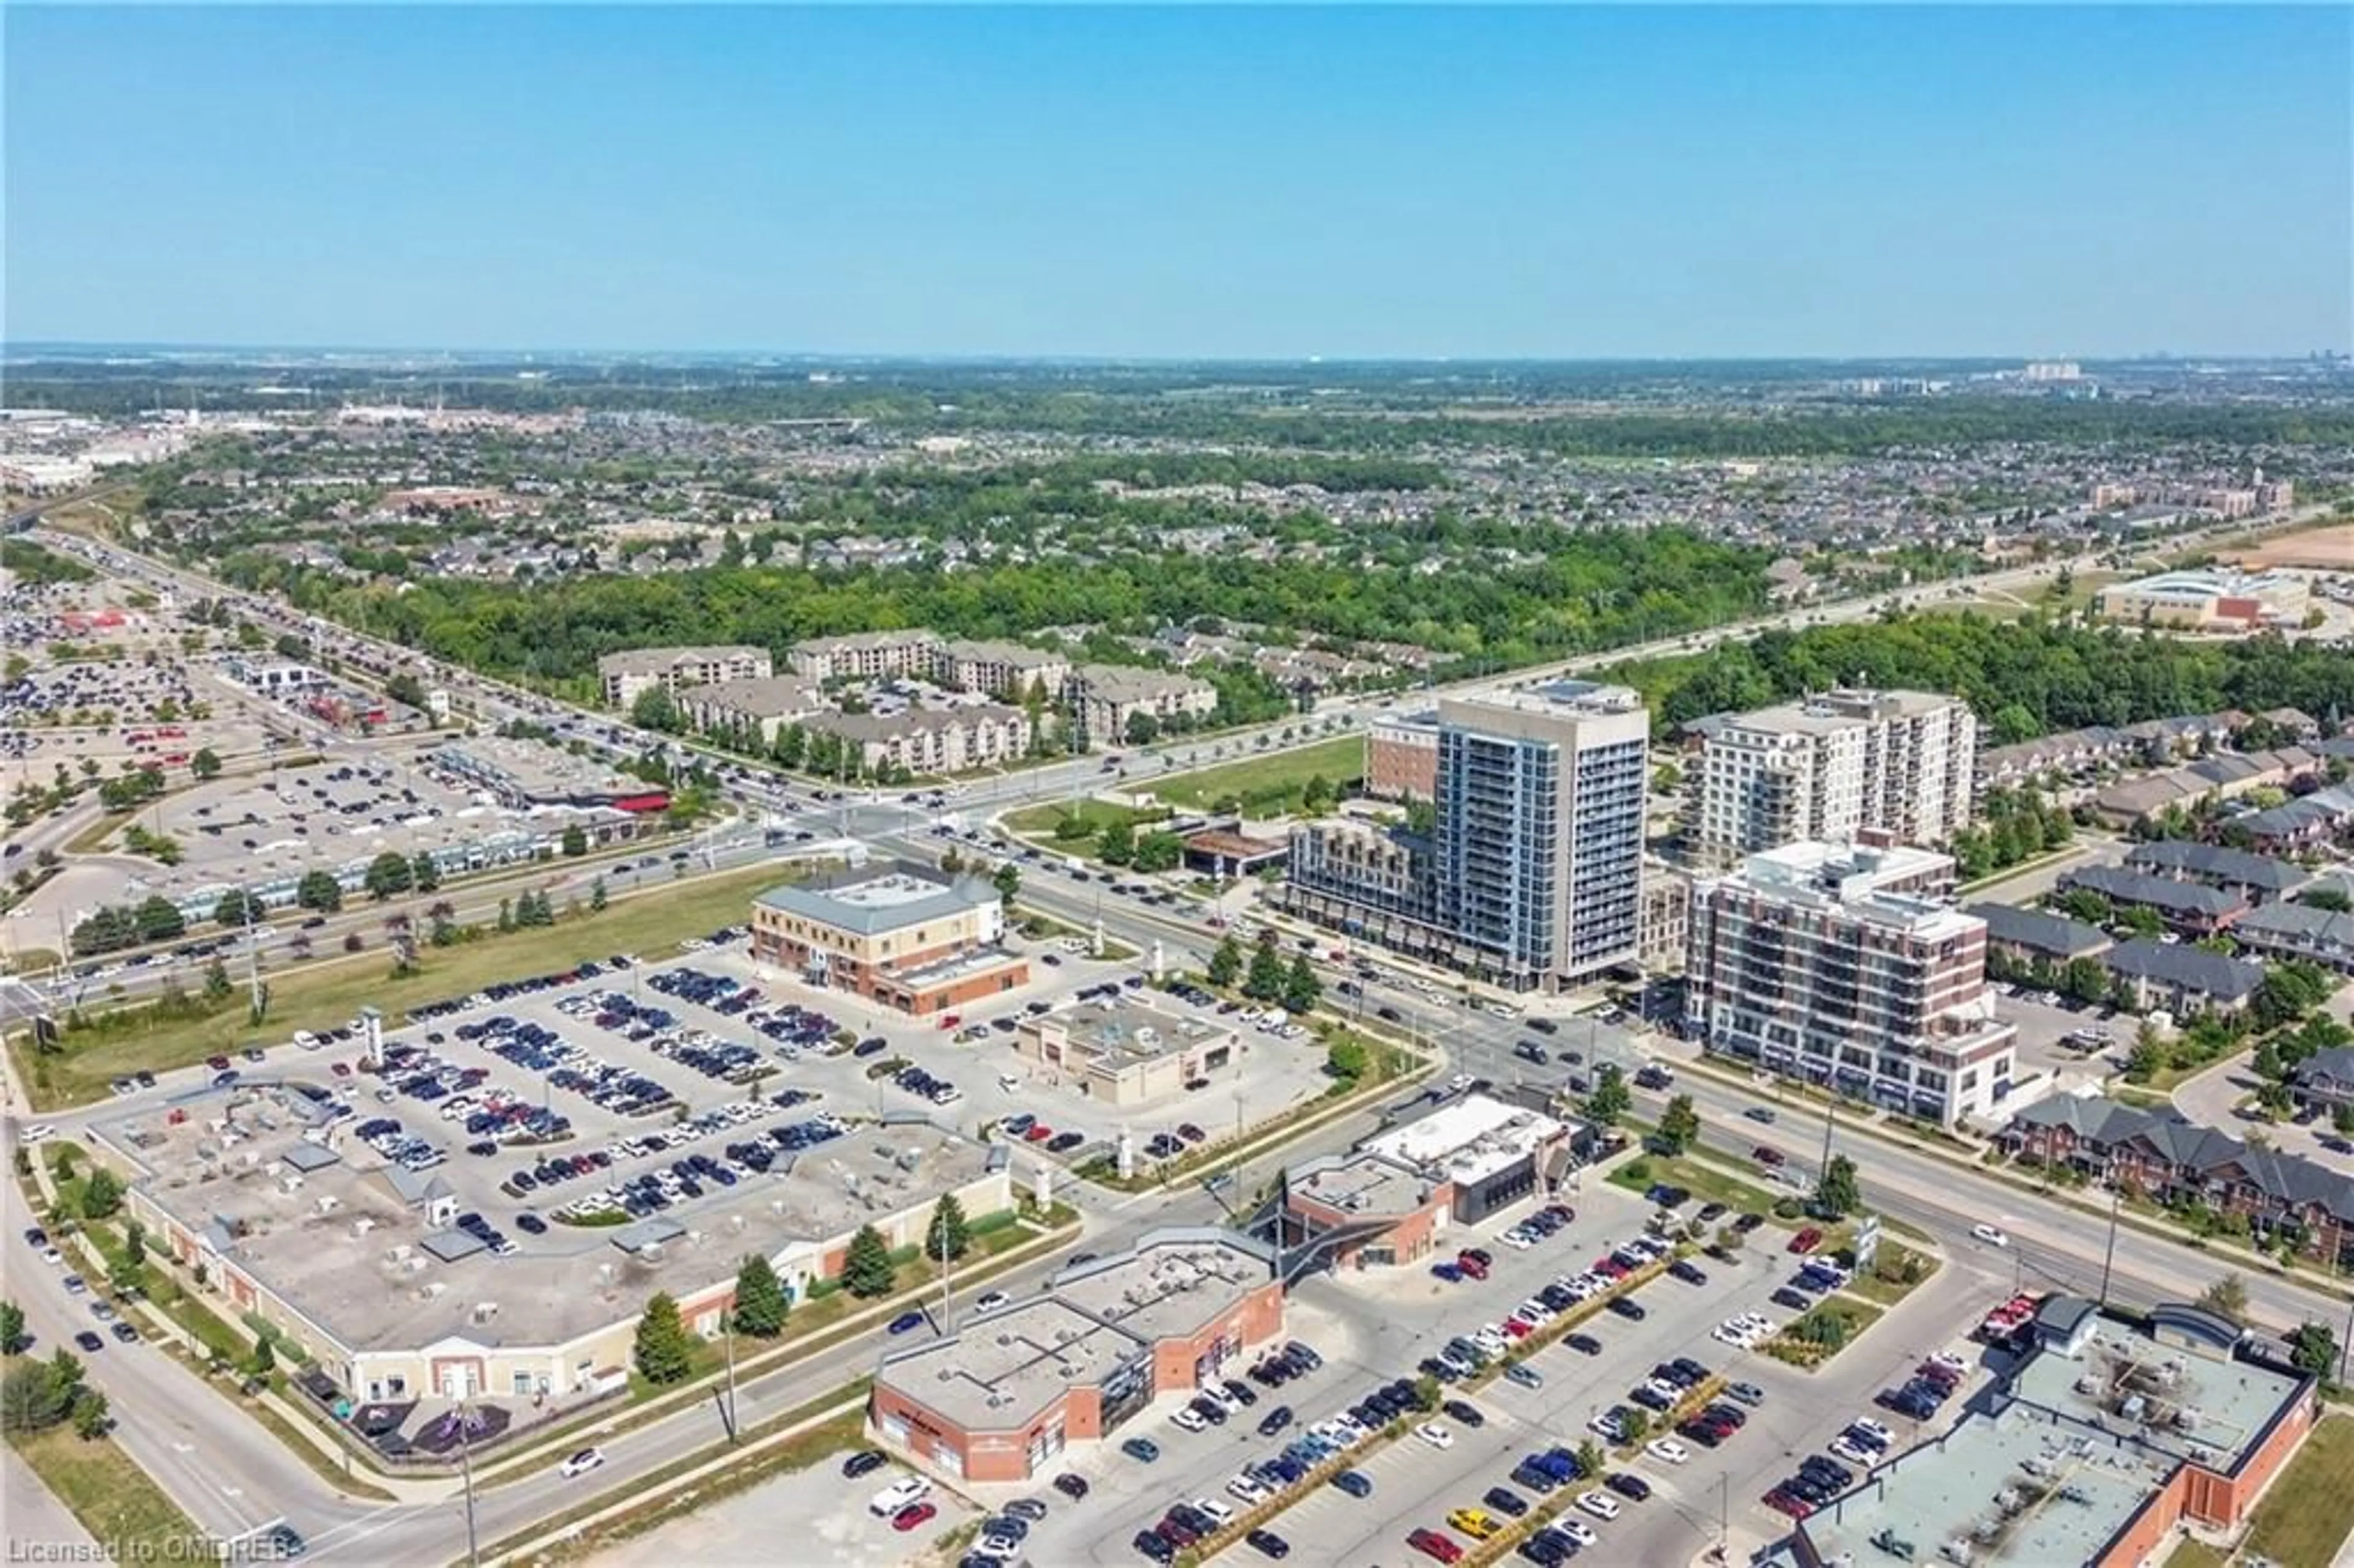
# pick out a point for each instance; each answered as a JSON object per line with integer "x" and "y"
{"x": 727, "y": 1346}
{"x": 466, "y": 1465}
{"x": 2109, "y": 1259}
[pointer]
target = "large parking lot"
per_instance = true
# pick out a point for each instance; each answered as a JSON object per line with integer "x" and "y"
{"x": 1372, "y": 1329}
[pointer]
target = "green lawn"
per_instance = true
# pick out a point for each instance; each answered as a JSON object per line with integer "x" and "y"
{"x": 2304, "y": 1519}
{"x": 320, "y": 995}
{"x": 1707, "y": 1181}
{"x": 1267, "y": 783}
{"x": 1896, "y": 1272}
{"x": 1792, "y": 1345}
{"x": 119, "y": 1503}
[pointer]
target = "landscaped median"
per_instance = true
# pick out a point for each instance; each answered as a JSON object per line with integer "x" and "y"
{"x": 794, "y": 1441}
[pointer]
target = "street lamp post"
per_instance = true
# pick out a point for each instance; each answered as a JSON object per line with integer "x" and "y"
{"x": 466, "y": 1466}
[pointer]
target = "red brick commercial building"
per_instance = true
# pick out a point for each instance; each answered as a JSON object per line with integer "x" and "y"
{"x": 2096, "y": 1449}
{"x": 1001, "y": 1398}
{"x": 901, "y": 935}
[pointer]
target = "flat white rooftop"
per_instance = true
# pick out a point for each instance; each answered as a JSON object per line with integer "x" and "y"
{"x": 1466, "y": 1142}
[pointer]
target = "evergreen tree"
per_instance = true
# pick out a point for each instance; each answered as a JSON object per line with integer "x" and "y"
{"x": 867, "y": 1272}
{"x": 1227, "y": 963}
{"x": 662, "y": 1353}
{"x": 1679, "y": 1127}
{"x": 760, "y": 1299}
{"x": 101, "y": 1195}
{"x": 1301, "y": 989}
{"x": 597, "y": 899}
{"x": 1839, "y": 1194}
{"x": 1264, "y": 981}
{"x": 12, "y": 1327}
{"x": 948, "y": 1238}
{"x": 1008, "y": 884}
{"x": 1609, "y": 1099}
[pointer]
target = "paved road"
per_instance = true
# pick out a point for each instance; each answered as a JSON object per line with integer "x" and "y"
{"x": 38, "y": 1526}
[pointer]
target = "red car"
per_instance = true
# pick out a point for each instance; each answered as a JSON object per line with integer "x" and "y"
{"x": 1471, "y": 1266}
{"x": 218, "y": 1063}
{"x": 1039, "y": 1133}
{"x": 1781, "y": 1502}
{"x": 1432, "y": 1545}
{"x": 1765, "y": 1155}
{"x": 950, "y": 1020}
{"x": 1517, "y": 1328}
{"x": 912, "y": 1515}
{"x": 1611, "y": 1266}
{"x": 1807, "y": 1240}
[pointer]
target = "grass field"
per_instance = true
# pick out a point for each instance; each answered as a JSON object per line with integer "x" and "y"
{"x": 1267, "y": 783}
{"x": 119, "y": 1503}
{"x": 1896, "y": 1272}
{"x": 2305, "y": 1519}
{"x": 1706, "y": 1181}
{"x": 651, "y": 923}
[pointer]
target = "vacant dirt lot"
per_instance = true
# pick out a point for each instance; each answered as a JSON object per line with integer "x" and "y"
{"x": 2327, "y": 549}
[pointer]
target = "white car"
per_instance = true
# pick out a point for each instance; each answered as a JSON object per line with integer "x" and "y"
{"x": 1843, "y": 1447}
{"x": 1601, "y": 1505}
{"x": 1437, "y": 1435}
{"x": 1188, "y": 1419}
{"x": 1608, "y": 1425}
{"x": 1951, "y": 1362}
{"x": 1872, "y": 1428}
{"x": 53, "y": 1257}
{"x": 992, "y": 1301}
{"x": 1667, "y": 1448}
{"x": 1492, "y": 1339}
{"x": 1577, "y": 1529}
{"x": 1247, "y": 1489}
{"x": 997, "y": 1548}
{"x": 1219, "y": 1512}
{"x": 899, "y": 1495}
{"x": 1517, "y": 1240}
{"x": 580, "y": 1464}
{"x": 39, "y": 1132}
{"x": 1990, "y": 1234}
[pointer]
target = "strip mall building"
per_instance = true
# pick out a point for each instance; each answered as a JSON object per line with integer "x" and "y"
{"x": 1002, "y": 1397}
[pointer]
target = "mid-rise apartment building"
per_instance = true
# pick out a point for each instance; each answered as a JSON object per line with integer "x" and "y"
{"x": 1826, "y": 767}
{"x": 1842, "y": 965}
{"x": 1402, "y": 757}
{"x": 931, "y": 741}
{"x": 629, "y": 676}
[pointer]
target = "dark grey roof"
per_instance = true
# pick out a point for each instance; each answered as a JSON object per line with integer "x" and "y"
{"x": 309, "y": 1156}
{"x": 2192, "y": 968}
{"x": 2323, "y": 808}
{"x": 2105, "y": 1124}
{"x": 2301, "y": 921}
{"x": 2126, "y": 886}
{"x": 2061, "y": 1316}
{"x": 452, "y": 1244}
{"x": 2237, "y": 867}
{"x": 2212, "y": 1326}
{"x": 2052, "y": 934}
{"x": 2336, "y": 1066}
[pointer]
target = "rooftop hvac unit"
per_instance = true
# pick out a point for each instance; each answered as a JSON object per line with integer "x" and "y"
{"x": 434, "y": 1289}
{"x": 2187, "y": 1419}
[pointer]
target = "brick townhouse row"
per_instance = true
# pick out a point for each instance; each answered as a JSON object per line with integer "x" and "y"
{"x": 2168, "y": 1159}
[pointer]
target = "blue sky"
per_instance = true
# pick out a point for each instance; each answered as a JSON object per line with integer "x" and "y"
{"x": 1200, "y": 182}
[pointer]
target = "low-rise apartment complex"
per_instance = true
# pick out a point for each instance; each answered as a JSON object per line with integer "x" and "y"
{"x": 627, "y": 676}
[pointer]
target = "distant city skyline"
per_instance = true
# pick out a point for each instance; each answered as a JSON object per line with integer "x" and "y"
{"x": 1528, "y": 184}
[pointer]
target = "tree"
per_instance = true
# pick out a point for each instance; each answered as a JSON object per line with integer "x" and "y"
{"x": 1839, "y": 1194}
{"x": 33, "y": 1398}
{"x": 2227, "y": 1297}
{"x": 1008, "y": 882}
{"x": 265, "y": 1359}
{"x": 1116, "y": 845}
{"x": 1317, "y": 796}
{"x": 159, "y": 921}
{"x": 390, "y": 874}
{"x": 319, "y": 890}
{"x": 135, "y": 1245}
{"x": 1609, "y": 1099}
{"x": 575, "y": 840}
{"x": 1157, "y": 852}
{"x": 1144, "y": 729}
{"x": 1301, "y": 989}
{"x": 217, "y": 986}
{"x": 1265, "y": 979}
{"x": 1226, "y": 962}
{"x": 1680, "y": 1125}
{"x": 2086, "y": 980}
{"x": 425, "y": 871}
{"x": 101, "y": 1195}
{"x": 206, "y": 763}
{"x": 12, "y": 1328}
{"x": 654, "y": 710}
{"x": 596, "y": 897}
{"x": 760, "y": 1299}
{"x": 947, "y": 1237}
{"x": 238, "y": 907}
{"x": 1591, "y": 1459}
{"x": 866, "y": 1270}
{"x": 1346, "y": 1059}
{"x": 1638, "y": 1424}
{"x": 2313, "y": 1349}
{"x": 662, "y": 1353}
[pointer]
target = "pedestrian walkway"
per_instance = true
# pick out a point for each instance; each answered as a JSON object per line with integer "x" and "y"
{"x": 40, "y": 1527}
